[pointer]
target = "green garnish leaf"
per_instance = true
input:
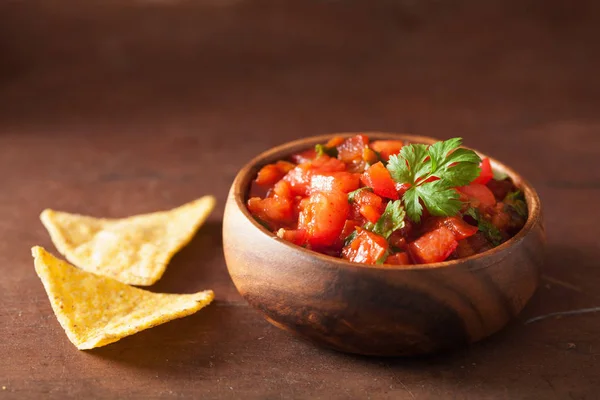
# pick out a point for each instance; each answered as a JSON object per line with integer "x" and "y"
{"x": 392, "y": 219}
{"x": 446, "y": 161}
{"x": 353, "y": 194}
{"x": 486, "y": 227}
{"x": 321, "y": 149}
{"x": 439, "y": 198}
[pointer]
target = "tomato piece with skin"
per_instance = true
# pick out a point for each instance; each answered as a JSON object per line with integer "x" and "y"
{"x": 366, "y": 248}
{"x": 486, "y": 173}
{"x": 349, "y": 227}
{"x": 334, "y": 181}
{"x": 379, "y": 179}
{"x": 271, "y": 173}
{"x": 370, "y": 205}
{"x": 281, "y": 189}
{"x": 275, "y": 211}
{"x": 398, "y": 259}
{"x": 300, "y": 177}
{"x": 481, "y": 193}
{"x": 325, "y": 163}
{"x": 335, "y": 141}
{"x": 434, "y": 246}
{"x": 296, "y": 236}
{"x": 352, "y": 148}
{"x": 459, "y": 227}
{"x": 387, "y": 148}
{"x": 304, "y": 156}
{"x": 323, "y": 217}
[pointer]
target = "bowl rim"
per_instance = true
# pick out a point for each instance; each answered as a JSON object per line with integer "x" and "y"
{"x": 243, "y": 178}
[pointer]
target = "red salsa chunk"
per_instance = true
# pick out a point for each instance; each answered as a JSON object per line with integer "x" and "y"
{"x": 388, "y": 202}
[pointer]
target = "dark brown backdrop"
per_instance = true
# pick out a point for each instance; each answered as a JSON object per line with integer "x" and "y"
{"x": 117, "y": 107}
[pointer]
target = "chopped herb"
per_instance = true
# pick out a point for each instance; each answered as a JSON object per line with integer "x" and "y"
{"x": 353, "y": 194}
{"x": 516, "y": 195}
{"x": 321, "y": 149}
{"x": 350, "y": 238}
{"x": 516, "y": 201}
{"x": 446, "y": 161}
{"x": 384, "y": 257}
{"x": 486, "y": 227}
{"x": 392, "y": 219}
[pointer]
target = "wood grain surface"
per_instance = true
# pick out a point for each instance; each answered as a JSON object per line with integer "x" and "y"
{"x": 113, "y": 108}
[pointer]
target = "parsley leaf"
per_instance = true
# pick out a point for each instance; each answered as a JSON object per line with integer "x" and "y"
{"x": 321, "y": 149}
{"x": 444, "y": 160}
{"x": 353, "y": 194}
{"x": 486, "y": 227}
{"x": 439, "y": 198}
{"x": 410, "y": 164}
{"x": 392, "y": 219}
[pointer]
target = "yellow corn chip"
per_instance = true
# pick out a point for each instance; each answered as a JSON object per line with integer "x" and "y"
{"x": 134, "y": 250}
{"x": 95, "y": 310}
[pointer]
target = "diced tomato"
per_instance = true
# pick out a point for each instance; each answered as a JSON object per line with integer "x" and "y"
{"x": 334, "y": 181}
{"x": 282, "y": 189}
{"x": 367, "y": 247}
{"x": 275, "y": 211}
{"x": 271, "y": 173}
{"x": 352, "y": 148}
{"x": 349, "y": 227}
{"x": 327, "y": 164}
{"x": 398, "y": 259}
{"x": 304, "y": 156}
{"x": 387, "y": 148}
{"x": 323, "y": 217}
{"x": 472, "y": 245}
{"x": 486, "y": 173}
{"x": 371, "y": 213}
{"x": 480, "y": 193}
{"x": 369, "y": 156}
{"x": 460, "y": 228}
{"x": 397, "y": 240}
{"x": 296, "y": 236}
{"x": 299, "y": 179}
{"x": 366, "y": 197}
{"x": 370, "y": 205}
{"x": 335, "y": 141}
{"x": 379, "y": 178}
{"x": 434, "y": 246}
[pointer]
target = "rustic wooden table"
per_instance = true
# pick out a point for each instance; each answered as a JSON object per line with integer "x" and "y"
{"x": 116, "y": 108}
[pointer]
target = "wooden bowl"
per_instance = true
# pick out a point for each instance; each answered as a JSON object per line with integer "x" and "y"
{"x": 379, "y": 310}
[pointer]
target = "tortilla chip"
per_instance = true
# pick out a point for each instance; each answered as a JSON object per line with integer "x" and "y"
{"x": 95, "y": 310}
{"x": 134, "y": 250}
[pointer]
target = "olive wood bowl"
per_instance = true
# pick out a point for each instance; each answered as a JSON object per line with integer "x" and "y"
{"x": 373, "y": 309}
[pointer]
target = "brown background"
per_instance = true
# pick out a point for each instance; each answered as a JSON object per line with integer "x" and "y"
{"x": 113, "y": 108}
